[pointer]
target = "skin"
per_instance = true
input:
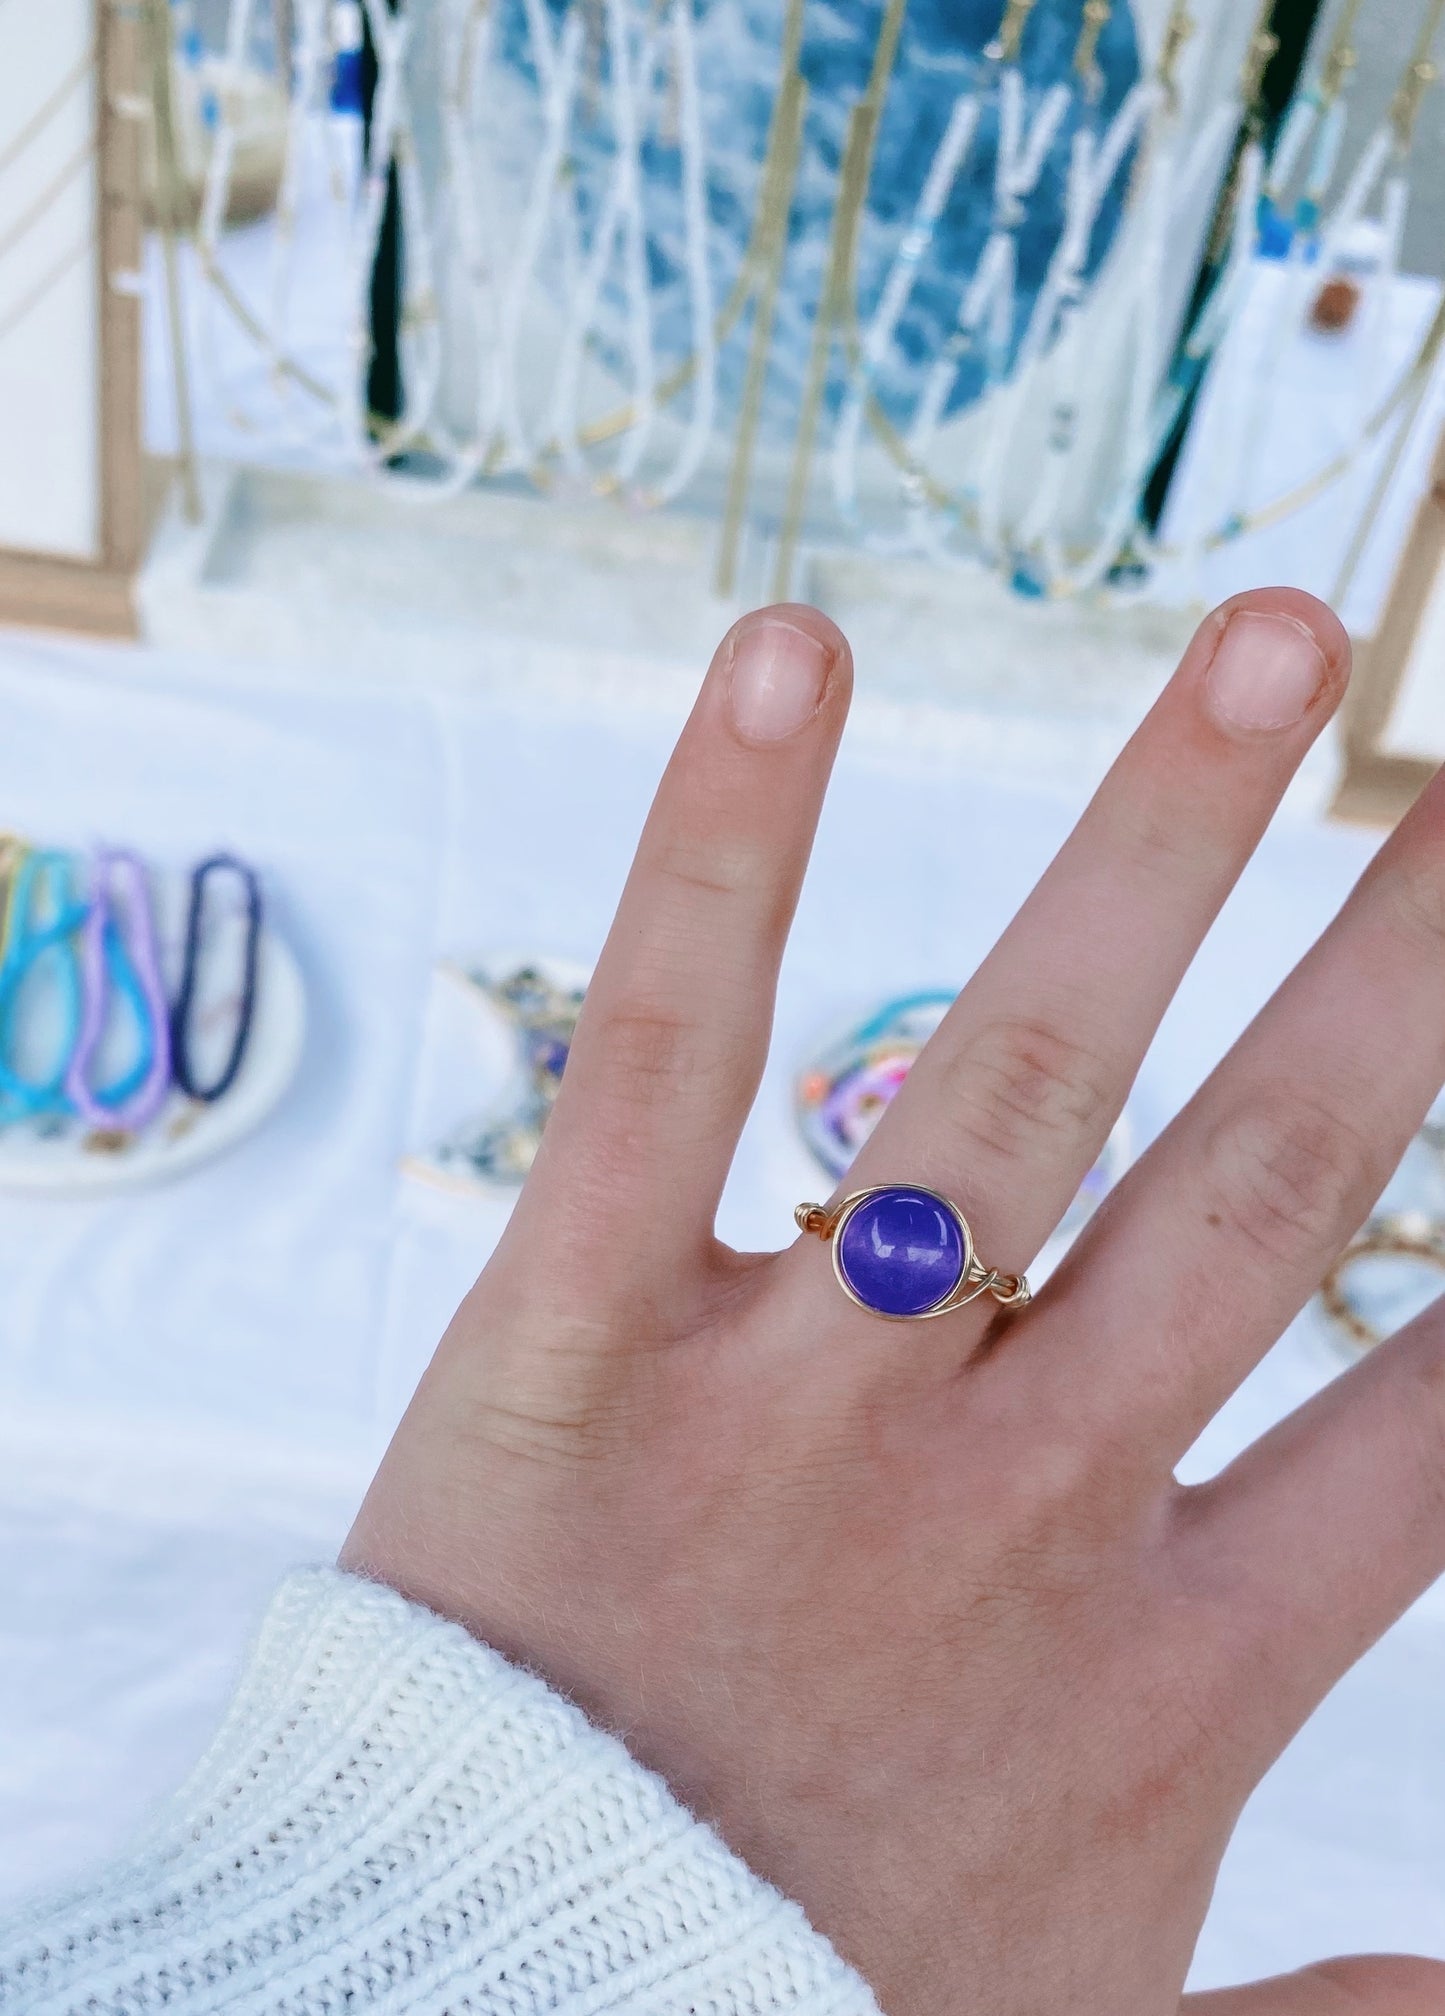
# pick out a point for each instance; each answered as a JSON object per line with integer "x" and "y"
{"x": 919, "y": 1617}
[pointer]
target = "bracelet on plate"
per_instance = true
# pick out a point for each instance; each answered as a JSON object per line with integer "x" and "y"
{"x": 182, "y": 1064}
{"x": 42, "y": 915}
{"x": 107, "y": 949}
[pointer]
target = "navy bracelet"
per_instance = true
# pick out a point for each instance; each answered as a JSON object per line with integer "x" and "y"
{"x": 181, "y": 1014}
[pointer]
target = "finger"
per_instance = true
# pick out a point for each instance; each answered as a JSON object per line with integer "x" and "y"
{"x": 1015, "y": 1095}
{"x": 1221, "y": 1233}
{"x": 672, "y": 1039}
{"x": 1333, "y": 1523}
{"x": 1377, "y": 1985}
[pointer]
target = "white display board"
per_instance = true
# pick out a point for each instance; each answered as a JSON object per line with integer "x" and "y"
{"x": 51, "y": 484}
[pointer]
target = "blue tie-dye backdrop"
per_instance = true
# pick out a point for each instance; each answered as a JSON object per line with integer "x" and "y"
{"x": 939, "y": 56}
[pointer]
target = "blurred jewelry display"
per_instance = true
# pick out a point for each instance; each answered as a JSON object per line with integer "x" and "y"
{"x": 252, "y": 126}
{"x": 911, "y": 246}
{"x": 1386, "y": 1276}
{"x": 842, "y": 1095}
{"x": 1392, "y": 1268}
{"x": 99, "y": 1077}
{"x": 1340, "y": 251}
{"x": 540, "y": 1002}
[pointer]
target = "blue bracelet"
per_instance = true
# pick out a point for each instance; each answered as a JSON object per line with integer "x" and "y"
{"x": 40, "y": 878}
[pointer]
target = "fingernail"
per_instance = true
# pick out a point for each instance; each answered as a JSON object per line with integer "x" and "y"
{"x": 777, "y": 680}
{"x": 1265, "y": 672}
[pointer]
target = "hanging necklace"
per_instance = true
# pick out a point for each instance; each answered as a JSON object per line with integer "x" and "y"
{"x": 1382, "y": 171}
{"x": 641, "y": 107}
{"x": 468, "y": 200}
{"x": 985, "y": 322}
{"x": 310, "y": 77}
{"x": 377, "y": 439}
{"x": 981, "y": 512}
{"x": 693, "y": 170}
{"x": 1049, "y": 368}
{"x": 619, "y": 222}
{"x": 1315, "y": 120}
{"x": 1157, "y": 391}
{"x": 559, "y": 76}
{"x": 901, "y": 278}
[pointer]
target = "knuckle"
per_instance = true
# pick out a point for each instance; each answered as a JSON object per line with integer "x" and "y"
{"x": 649, "y": 1051}
{"x": 701, "y": 865}
{"x": 1364, "y": 1986}
{"x": 1018, "y": 1084}
{"x": 1413, "y": 898}
{"x": 1284, "y": 1173}
{"x": 1422, "y": 1411}
{"x": 1154, "y": 840}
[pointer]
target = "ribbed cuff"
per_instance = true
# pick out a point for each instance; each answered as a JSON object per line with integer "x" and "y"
{"x": 393, "y": 1818}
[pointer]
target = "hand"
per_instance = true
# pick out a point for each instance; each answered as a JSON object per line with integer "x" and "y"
{"x": 918, "y": 1616}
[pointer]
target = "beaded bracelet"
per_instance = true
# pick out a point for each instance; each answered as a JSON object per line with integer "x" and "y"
{"x": 183, "y": 1069}
{"x": 134, "y": 958}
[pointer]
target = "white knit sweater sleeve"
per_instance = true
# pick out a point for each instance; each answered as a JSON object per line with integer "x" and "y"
{"x": 394, "y": 1819}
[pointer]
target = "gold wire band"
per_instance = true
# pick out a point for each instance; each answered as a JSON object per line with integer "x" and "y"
{"x": 1010, "y": 1291}
{"x": 1180, "y": 28}
{"x": 1342, "y": 57}
{"x": 1420, "y": 73}
{"x": 1005, "y": 46}
{"x": 1086, "y": 50}
{"x": 1406, "y": 1235}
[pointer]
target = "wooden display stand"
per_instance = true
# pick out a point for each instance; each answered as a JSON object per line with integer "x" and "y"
{"x": 78, "y": 579}
{"x": 1380, "y": 780}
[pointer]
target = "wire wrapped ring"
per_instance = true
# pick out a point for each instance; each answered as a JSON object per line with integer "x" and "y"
{"x": 1406, "y": 1235}
{"x": 905, "y": 1252}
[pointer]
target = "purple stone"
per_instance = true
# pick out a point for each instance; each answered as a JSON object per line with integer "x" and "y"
{"x": 902, "y": 1252}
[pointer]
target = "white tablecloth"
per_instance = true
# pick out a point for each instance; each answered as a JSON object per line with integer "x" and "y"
{"x": 195, "y": 1381}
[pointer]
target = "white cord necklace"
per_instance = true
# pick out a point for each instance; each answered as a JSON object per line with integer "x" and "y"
{"x": 514, "y": 448}
{"x": 471, "y": 210}
{"x": 619, "y": 216}
{"x": 308, "y": 88}
{"x": 1051, "y": 350}
{"x": 1149, "y": 367}
{"x": 986, "y": 313}
{"x": 695, "y": 440}
{"x": 943, "y": 172}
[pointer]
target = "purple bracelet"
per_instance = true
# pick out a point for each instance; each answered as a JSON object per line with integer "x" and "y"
{"x": 130, "y": 1115}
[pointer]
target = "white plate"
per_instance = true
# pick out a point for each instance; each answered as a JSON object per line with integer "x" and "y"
{"x": 67, "y": 1156}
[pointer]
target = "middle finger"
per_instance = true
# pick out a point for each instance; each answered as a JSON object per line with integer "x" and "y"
{"x": 1015, "y": 1094}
